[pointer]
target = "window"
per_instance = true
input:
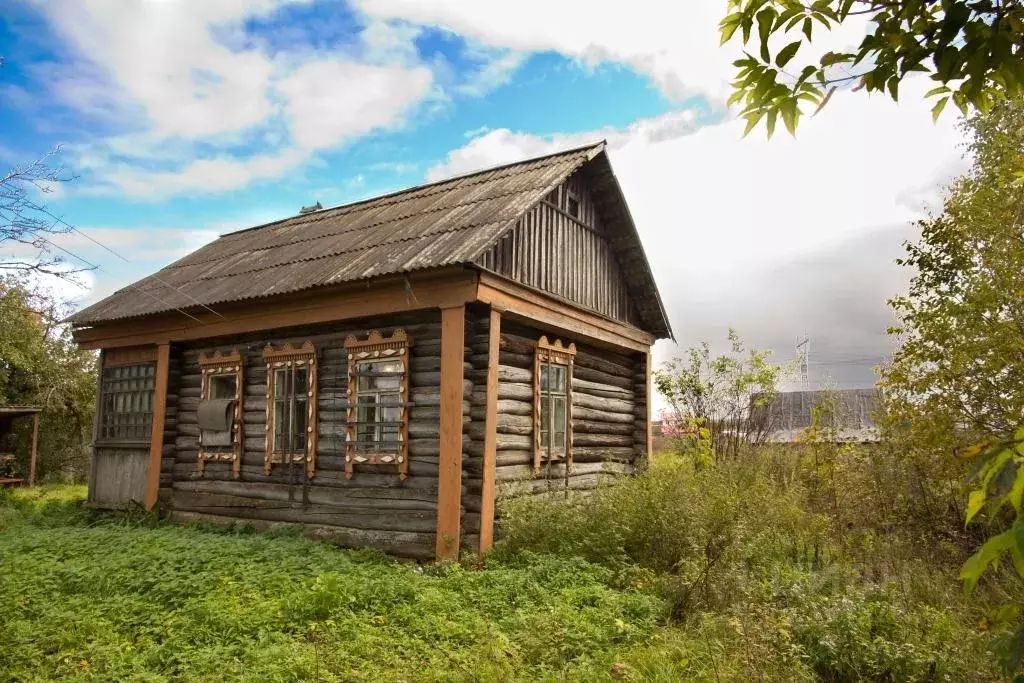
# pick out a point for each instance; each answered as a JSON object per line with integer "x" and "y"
{"x": 291, "y": 406}
{"x": 127, "y": 407}
{"x": 221, "y": 429}
{"x": 552, "y": 412}
{"x": 378, "y": 394}
{"x": 573, "y": 206}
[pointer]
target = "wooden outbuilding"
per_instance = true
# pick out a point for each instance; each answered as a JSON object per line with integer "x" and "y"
{"x": 387, "y": 372}
{"x": 8, "y": 415}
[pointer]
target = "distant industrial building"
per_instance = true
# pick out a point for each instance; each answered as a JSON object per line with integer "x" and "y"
{"x": 791, "y": 412}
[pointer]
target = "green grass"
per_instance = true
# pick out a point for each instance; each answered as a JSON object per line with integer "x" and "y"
{"x": 92, "y": 598}
{"x": 86, "y": 596}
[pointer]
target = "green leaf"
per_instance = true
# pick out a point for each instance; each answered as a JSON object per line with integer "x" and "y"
{"x": 752, "y": 119}
{"x": 790, "y": 114}
{"x": 830, "y": 58}
{"x": 770, "y": 122}
{"x": 937, "y": 109}
{"x": 975, "y": 501}
{"x": 808, "y": 25}
{"x": 976, "y": 564}
{"x": 787, "y": 53}
{"x": 937, "y": 91}
{"x": 1017, "y": 549}
{"x": 765, "y": 20}
{"x": 828, "y": 96}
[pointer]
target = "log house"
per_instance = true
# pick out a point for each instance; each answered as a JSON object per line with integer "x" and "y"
{"x": 387, "y": 373}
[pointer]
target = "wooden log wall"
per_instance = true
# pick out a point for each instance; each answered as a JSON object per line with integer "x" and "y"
{"x": 473, "y": 420}
{"x": 374, "y": 508}
{"x": 569, "y": 256}
{"x": 605, "y": 405}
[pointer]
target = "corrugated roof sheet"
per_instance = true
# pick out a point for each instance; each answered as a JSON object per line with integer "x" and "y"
{"x": 441, "y": 224}
{"x": 430, "y": 226}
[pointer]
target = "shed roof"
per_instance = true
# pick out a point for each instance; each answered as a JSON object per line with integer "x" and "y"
{"x": 446, "y": 223}
{"x": 18, "y": 411}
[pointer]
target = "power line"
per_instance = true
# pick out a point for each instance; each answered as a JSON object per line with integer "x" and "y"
{"x": 97, "y": 267}
{"x": 103, "y": 246}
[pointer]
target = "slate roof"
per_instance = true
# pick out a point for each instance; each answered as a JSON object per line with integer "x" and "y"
{"x": 431, "y": 226}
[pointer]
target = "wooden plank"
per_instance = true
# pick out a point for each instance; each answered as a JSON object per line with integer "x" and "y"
{"x": 490, "y": 434}
{"x": 156, "y": 446}
{"x": 648, "y": 403}
{"x": 536, "y": 307}
{"x": 449, "y": 475}
{"x": 387, "y": 296}
{"x": 129, "y": 355}
{"x": 35, "y": 450}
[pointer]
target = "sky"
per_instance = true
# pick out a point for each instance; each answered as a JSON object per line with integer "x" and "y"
{"x": 184, "y": 120}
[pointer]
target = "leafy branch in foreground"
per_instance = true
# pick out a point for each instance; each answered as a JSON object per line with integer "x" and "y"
{"x": 972, "y": 49}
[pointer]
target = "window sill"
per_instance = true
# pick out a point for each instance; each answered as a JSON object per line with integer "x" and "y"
{"x": 121, "y": 444}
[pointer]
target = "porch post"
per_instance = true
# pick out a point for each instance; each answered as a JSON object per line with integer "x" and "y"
{"x": 490, "y": 434}
{"x": 35, "y": 449}
{"x": 156, "y": 437}
{"x": 449, "y": 473}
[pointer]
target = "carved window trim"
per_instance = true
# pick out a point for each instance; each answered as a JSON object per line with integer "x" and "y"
{"x": 289, "y": 357}
{"x": 377, "y": 347}
{"x": 219, "y": 364}
{"x": 552, "y": 353}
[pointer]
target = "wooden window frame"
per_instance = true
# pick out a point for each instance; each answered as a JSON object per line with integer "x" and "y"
{"x": 377, "y": 347}
{"x": 290, "y": 357}
{"x": 107, "y": 379}
{"x": 219, "y": 365}
{"x": 552, "y": 353}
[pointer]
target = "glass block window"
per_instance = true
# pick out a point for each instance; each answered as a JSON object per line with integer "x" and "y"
{"x": 552, "y": 411}
{"x": 126, "y": 412}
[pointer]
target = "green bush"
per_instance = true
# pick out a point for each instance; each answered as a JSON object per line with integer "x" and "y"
{"x": 691, "y": 533}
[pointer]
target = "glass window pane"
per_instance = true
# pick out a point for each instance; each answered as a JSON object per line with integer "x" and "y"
{"x": 558, "y": 413}
{"x": 544, "y": 368}
{"x": 299, "y": 423}
{"x": 280, "y": 424}
{"x": 223, "y": 386}
{"x": 558, "y": 378}
{"x": 301, "y": 381}
{"x": 280, "y": 383}
{"x": 559, "y": 441}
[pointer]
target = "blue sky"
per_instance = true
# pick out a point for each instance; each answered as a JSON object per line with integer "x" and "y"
{"x": 183, "y": 120}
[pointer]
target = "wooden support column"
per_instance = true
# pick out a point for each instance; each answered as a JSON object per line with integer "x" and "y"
{"x": 490, "y": 434}
{"x": 449, "y": 473}
{"x": 649, "y": 406}
{"x": 156, "y": 438}
{"x": 35, "y": 451}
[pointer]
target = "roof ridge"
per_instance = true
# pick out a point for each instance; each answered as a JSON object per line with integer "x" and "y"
{"x": 387, "y": 195}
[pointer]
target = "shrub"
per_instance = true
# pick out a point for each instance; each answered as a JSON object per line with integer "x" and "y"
{"x": 690, "y": 533}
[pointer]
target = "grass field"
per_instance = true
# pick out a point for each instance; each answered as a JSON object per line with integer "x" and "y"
{"x": 85, "y": 596}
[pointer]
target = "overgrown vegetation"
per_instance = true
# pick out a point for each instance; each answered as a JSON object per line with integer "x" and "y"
{"x": 41, "y": 365}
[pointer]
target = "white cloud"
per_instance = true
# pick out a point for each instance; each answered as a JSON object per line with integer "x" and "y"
{"x": 203, "y": 109}
{"x": 331, "y": 101}
{"x": 675, "y": 44}
{"x": 715, "y": 209}
{"x": 491, "y": 147}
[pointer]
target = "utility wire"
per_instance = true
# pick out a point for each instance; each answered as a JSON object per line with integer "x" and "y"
{"x": 103, "y": 246}
{"x": 97, "y": 267}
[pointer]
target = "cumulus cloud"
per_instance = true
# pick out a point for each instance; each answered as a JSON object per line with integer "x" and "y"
{"x": 727, "y": 222}
{"x": 199, "y": 108}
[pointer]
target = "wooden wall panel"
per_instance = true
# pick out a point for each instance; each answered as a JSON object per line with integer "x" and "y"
{"x": 375, "y": 508}
{"x": 605, "y": 402}
{"x": 569, "y": 257}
